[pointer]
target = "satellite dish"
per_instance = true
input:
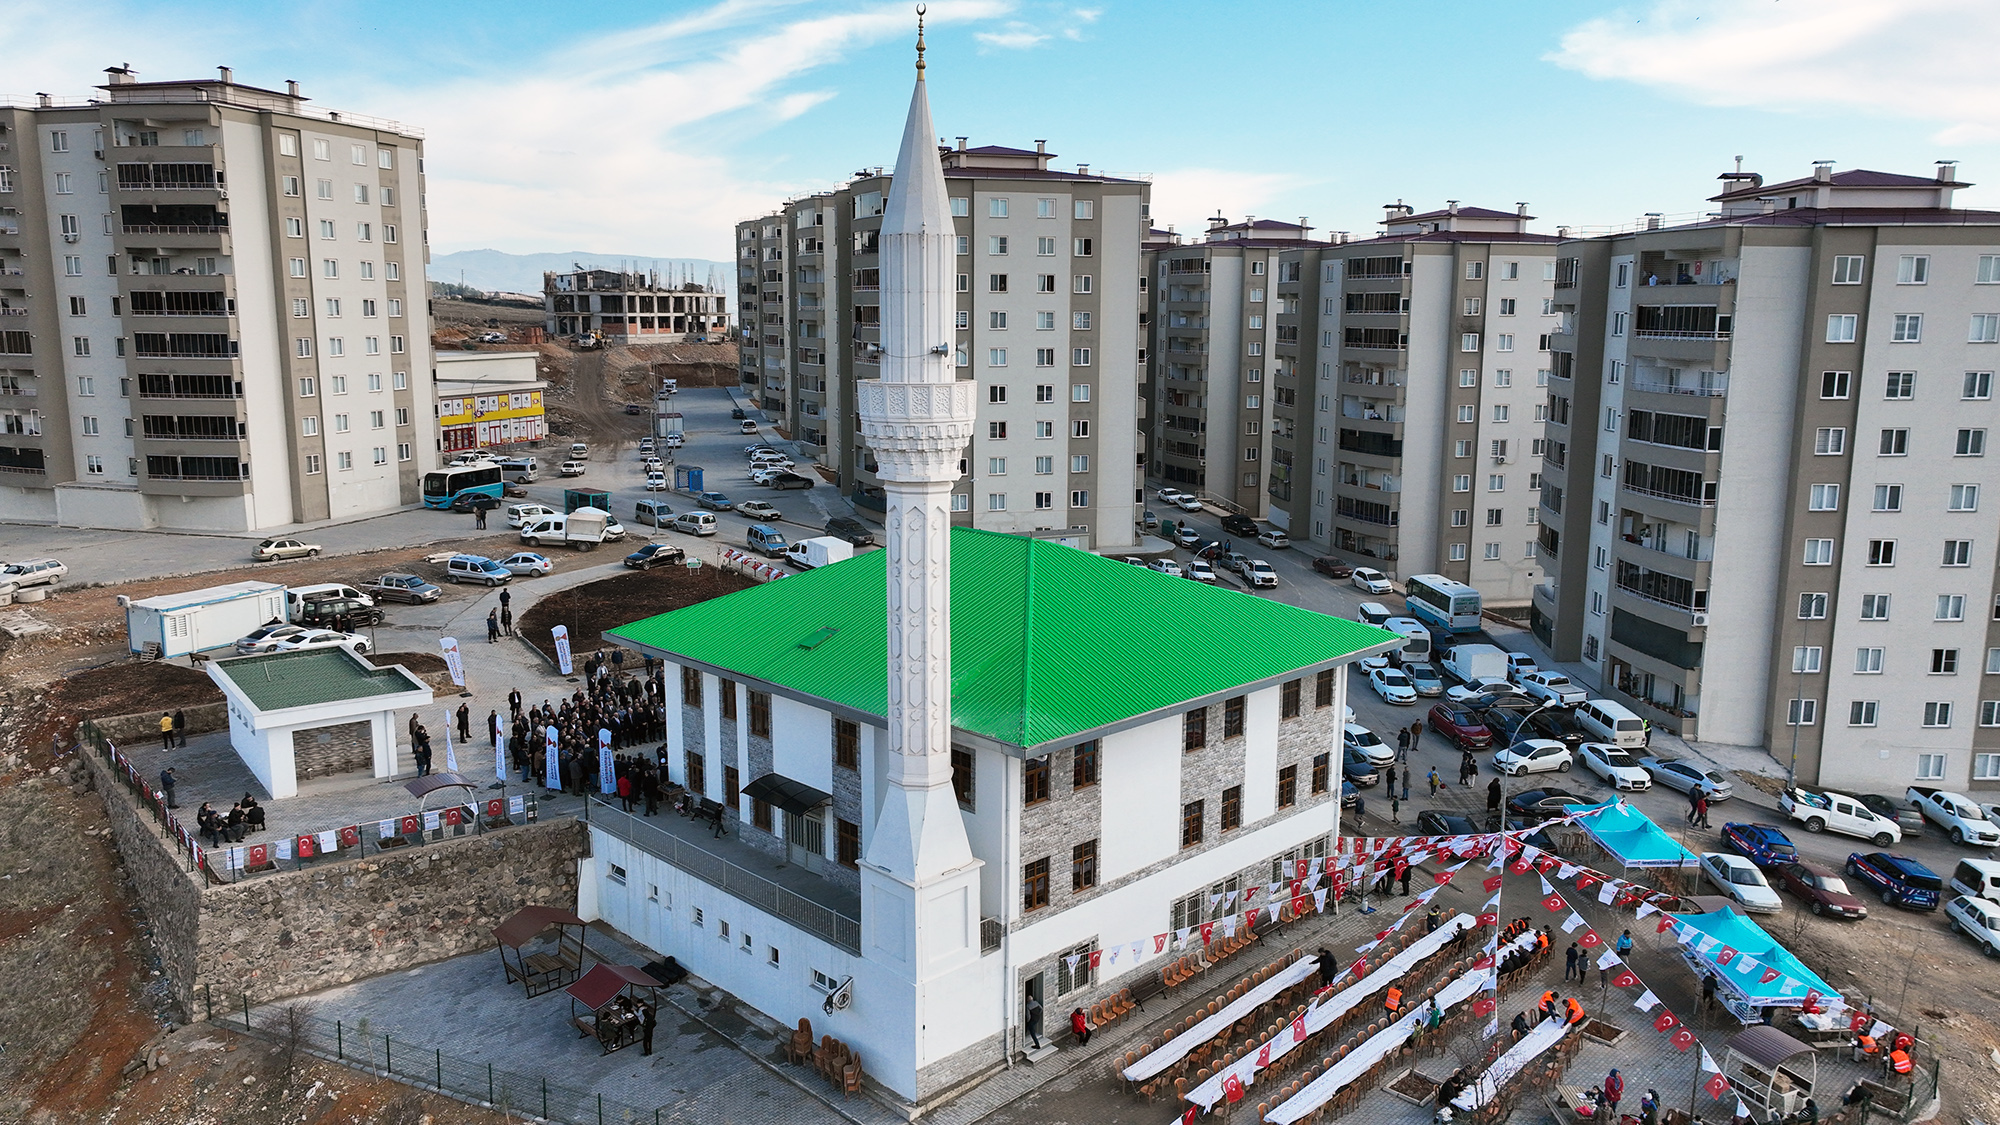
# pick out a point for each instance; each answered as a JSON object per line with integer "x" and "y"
{"x": 839, "y": 998}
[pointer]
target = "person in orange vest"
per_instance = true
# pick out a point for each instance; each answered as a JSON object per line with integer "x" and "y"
{"x": 1548, "y": 1006}
{"x": 1394, "y": 1000}
{"x": 1575, "y": 1011}
{"x": 1900, "y": 1062}
{"x": 1865, "y": 1045}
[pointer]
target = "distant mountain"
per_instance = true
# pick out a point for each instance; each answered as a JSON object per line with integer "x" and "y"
{"x": 522, "y": 273}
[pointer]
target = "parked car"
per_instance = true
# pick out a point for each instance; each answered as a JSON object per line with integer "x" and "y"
{"x": 1905, "y": 817}
{"x": 764, "y": 473}
{"x": 1461, "y": 727}
{"x": 513, "y": 490}
{"x": 474, "y": 502}
{"x": 1393, "y": 686}
{"x": 757, "y": 510}
{"x": 1431, "y": 822}
{"x": 271, "y": 549}
{"x": 1237, "y": 524}
{"x": 1838, "y": 812}
{"x": 1424, "y": 677}
{"x": 401, "y": 588}
{"x": 333, "y": 611}
{"x": 1533, "y": 755}
{"x": 1259, "y": 574}
{"x": 1165, "y": 566}
{"x": 1959, "y": 815}
{"x": 1552, "y": 686}
{"x": 1188, "y": 503}
{"x": 519, "y": 515}
{"x": 785, "y": 482}
{"x": 1186, "y": 536}
{"x": 265, "y": 638}
{"x": 1169, "y": 495}
{"x": 528, "y": 563}
{"x": 1900, "y": 880}
{"x": 655, "y": 554}
{"x": 1333, "y": 567}
{"x": 694, "y": 523}
{"x": 317, "y": 638}
{"x": 714, "y": 501}
{"x": 1686, "y": 776}
{"x": 1824, "y": 892}
{"x": 476, "y": 568}
{"x": 1358, "y": 769}
{"x": 1762, "y": 844}
{"x": 761, "y": 452}
{"x": 656, "y": 482}
{"x": 1474, "y": 689}
{"x": 572, "y": 468}
{"x": 1200, "y": 571}
{"x": 1618, "y": 769}
{"x": 738, "y": 414}
{"x": 1520, "y": 664}
{"x": 854, "y": 531}
{"x": 1978, "y": 919}
{"x": 1274, "y": 539}
{"x": 1538, "y": 805}
{"x": 1368, "y": 580}
{"x": 1740, "y": 881}
{"x": 1357, "y": 737}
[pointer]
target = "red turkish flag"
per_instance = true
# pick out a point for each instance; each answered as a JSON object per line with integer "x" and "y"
{"x": 1359, "y": 968}
{"x": 1303, "y": 867}
{"x": 1441, "y": 878}
{"x": 1250, "y": 921}
{"x": 1483, "y": 1007}
{"x": 451, "y": 816}
{"x": 1232, "y": 1088}
{"x": 1160, "y": 942}
{"x": 1769, "y": 976}
{"x": 1299, "y": 1030}
{"x": 1625, "y": 979}
{"x": 1683, "y": 1039}
{"x": 1264, "y": 1056}
{"x": 1207, "y": 932}
{"x": 350, "y": 836}
{"x": 1812, "y": 1000}
{"x": 1586, "y": 881}
{"x": 493, "y": 808}
{"x": 1716, "y": 1086}
{"x": 1492, "y": 883}
{"x": 1590, "y": 940}
{"x": 1726, "y": 956}
{"x": 1554, "y": 903}
{"x": 308, "y": 847}
{"x": 1485, "y": 961}
{"x": 1096, "y": 958}
{"x": 260, "y": 854}
{"x": 1519, "y": 867}
{"x": 1544, "y": 862}
{"x": 1859, "y": 1021}
{"x": 1666, "y": 924}
{"x": 1665, "y": 1022}
{"x": 1188, "y": 1117}
{"x": 1490, "y": 918}
{"x": 409, "y": 826}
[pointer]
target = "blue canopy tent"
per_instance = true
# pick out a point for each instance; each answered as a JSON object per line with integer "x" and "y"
{"x": 1739, "y": 955}
{"x": 1631, "y": 838}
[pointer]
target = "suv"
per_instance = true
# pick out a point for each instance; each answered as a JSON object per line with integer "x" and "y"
{"x": 476, "y": 568}
{"x": 854, "y": 531}
{"x": 325, "y": 610}
{"x": 34, "y": 572}
{"x": 1901, "y": 880}
{"x": 1239, "y": 524}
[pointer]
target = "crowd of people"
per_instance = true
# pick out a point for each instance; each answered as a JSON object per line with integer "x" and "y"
{"x": 244, "y": 817}
{"x": 629, "y": 707}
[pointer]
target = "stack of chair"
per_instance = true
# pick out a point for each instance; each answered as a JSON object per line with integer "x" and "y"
{"x": 799, "y": 1049}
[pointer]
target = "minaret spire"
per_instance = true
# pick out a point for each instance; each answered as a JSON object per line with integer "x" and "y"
{"x": 920, "y": 42}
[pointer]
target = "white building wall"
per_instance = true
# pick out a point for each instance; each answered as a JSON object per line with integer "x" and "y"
{"x": 1510, "y": 578}
{"x": 1136, "y": 834}
{"x": 1429, "y": 426}
{"x": 258, "y": 315}
{"x": 1610, "y": 435}
{"x": 96, "y": 285}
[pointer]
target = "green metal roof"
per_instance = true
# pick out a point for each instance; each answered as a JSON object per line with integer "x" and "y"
{"x": 279, "y": 680}
{"x": 1047, "y": 641}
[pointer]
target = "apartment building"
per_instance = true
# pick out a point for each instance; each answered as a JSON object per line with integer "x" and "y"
{"x": 1224, "y": 400}
{"x": 1765, "y": 468}
{"x": 1049, "y": 302}
{"x": 213, "y": 309}
{"x": 630, "y": 305}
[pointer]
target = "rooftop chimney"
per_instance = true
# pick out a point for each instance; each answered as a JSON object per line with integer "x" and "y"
{"x": 1521, "y": 209}
{"x": 291, "y": 88}
{"x": 121, "y": 75}
{"x": 1654, "y": 220}
{"x": 1947, "y": 171}
{"x": 1451, "y": 205}
{"x": 228, "y": 76}
{"x": 1083, "y": 169}
{"x": 1822, "y": 171}
{"x": 1041, "y": 145}
{"x": 45, "y": 100}
{"x": 961, "y": 144}
{"x": 1302, "y": 223}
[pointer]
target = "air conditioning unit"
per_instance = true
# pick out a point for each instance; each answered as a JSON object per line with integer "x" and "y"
{"x": 1701, "y": 620}
{"x": 1500, "y": 460}
{"x": 839, "y": 998}
{"x": 71, "y": 236}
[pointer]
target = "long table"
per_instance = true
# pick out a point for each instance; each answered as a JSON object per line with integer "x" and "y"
{"x": 1325, "y": 1013}
{"x": 1375, "y": 1049}
{"x": 1487, "y": 1086}
{"x": 1186, "y": 1042}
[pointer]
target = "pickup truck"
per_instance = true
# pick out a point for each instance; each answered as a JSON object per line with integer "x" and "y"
{"x": 1838, "y": 812}
{"x": 1960, "y": 816}
{"x": 402, "y": 588}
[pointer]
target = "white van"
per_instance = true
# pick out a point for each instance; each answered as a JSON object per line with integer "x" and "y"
{"x": 295, "y": 596}
{"x": 520, "y": 470}
{"x": 1372, "y": 613}
{"x": 654, "y": 512}
{"x": 1977, "y": 877}
{"x": 546, "y": 528}
{"x": 1416, "y": 636}
{"x": 695, "y": 523}
{"x": 1609, "y": 721}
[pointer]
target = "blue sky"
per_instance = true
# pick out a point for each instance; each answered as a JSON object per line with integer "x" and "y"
{"x": 650, "y": 128}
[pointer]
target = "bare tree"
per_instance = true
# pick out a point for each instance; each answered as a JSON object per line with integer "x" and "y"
{"x": 291, "y": 1031}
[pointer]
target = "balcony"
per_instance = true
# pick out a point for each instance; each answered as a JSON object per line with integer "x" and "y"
{"x": 1674, "y": 497}
{"x": 1712, "y": 384}
{"x": 764, "y": 881}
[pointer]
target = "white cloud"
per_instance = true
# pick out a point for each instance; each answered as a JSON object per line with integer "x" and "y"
{"x": 1928, "y": 60}
{"x": 1015, "y": 37}
{"x": 1186, "y": 197}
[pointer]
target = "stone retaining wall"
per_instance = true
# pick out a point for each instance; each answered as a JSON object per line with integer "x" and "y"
{"x": 145, "y": 726}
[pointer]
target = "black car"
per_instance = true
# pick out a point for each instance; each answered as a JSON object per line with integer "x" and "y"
{"x": 784, "y": 481}
{"x": 737, "y": 415}
{"x": 1430, "y": 822}
{"x": 852, "y": 530}
{"x": 474, "y": 502}
{"x": 1242, "y": 525}
{"x": 328, "y": 611}
{"x": 1538, "y": 805}
{"x": 1539, "y": 839}
{"x": 634, "y": 408}
{"x": 1333, "y": 567}
{"x": 1552, "y": 724}
{"x": 655, "y": 554}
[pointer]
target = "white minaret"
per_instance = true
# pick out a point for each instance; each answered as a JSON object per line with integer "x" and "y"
{"x": 920, "y": 882}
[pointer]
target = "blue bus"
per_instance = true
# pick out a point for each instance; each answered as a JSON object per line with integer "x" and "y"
{"x": 443, "y": 487}
{"x": 1441, "y": 603}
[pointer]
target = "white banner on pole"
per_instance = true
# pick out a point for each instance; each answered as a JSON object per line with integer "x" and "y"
{"x": 607, "y": 780}
{"x": 450, "y": 755}
{"x": 554, "y": 780}
{"x": 562, "y": 649}
{"x": 452, "y": 659}
{"x": 500, "y": 757}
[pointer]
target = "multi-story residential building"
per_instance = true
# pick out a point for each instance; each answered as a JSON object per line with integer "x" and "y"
{"x": 235, "y": 334}
{"x": 628, "y": 307}
{"x": 1049, "y": 303}
{"x": 1765, "y": 471}
{"x": 1425, "y": 353}
{"x": 1223, "y": 368}
{"x": 487, "y": 399}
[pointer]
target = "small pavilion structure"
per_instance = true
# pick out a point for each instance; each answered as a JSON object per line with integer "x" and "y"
{"x": 608, "y": 1004}
{"x": 1771, "y": 1070}
{"x": 544, "y": 970}
{"x": 314, "y": 713}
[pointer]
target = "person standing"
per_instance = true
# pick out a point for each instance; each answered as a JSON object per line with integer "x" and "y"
{"x": 166, "y": 731}
{"x": 646, "y": 1032}
{"x": 506, "y": 598}
{"x": 1569, "y": 961}
{"x": 1417, "y": 735}
{"x": 1389, "y": 779}
{"x": 1404, "y": 876}
{"x": 1395, "y": 808}
{"x": 1035, "y": 1021}
{"x": 493, "y": 729}
{"x": 1436, "y": 782}
{"x": 1624, "y": 944}
{"x": 464, "y": 723}
{"x": 180, "y": 727}
{"x": 492, "y": 626}
{"x": 479, "y": 517}
{"x": 167, "y": 787}
{"x": 1403, "y": 746}
{"x": 1329, "y": 966}
{"x": 1614, "y": 1092}
{"x": 506, "y": 621}
{"x": 1407, "y": 771}
{"x": 1493, "y": 796}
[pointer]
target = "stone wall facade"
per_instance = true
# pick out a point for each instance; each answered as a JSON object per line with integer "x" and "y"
{"x": 145, "y": 726}
{"x": 340, "y": 748}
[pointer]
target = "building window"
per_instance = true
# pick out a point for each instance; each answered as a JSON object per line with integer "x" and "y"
{"x": 1834, "y": 384}
{"x": 1908, "y": 328}
{"x": 1937, "y": 714}
{"x": 847, "y": 836}
{"x": 1194, "y": 729}
{"x": 1950, "y": 607}
{"x": 1874, "y": 607}
{"x": 1232, "y": 808}
{"x": 1862, "y": 712}
{"x": 1288, "y": 786}
{"x": 1964, "y": 498}
{"x": 1881, "y": 552}
{"x": 1322, "y": 774}
{"x": 1957, "y": 552}
{"x": 1944, "y": 662}
{"x": 1035, "y": 780}
{"x": 1894, "y": 443}
{"x": 1288, "y": 699}
{"x": 1986, "y": 767}
{"x": 1971, "y": 443}
{"x": 1323, "y": 688}
{"x": 1839, "y": 328}
{"x": 1819, "y": 552}
{"x": 1191, "y": 824}
{"x": 1802, "y": 713}
{"x": 1232, "y": 717}
{"x": 962, "y": 777}
{"x": 847, "y": 744}
{"x": 1824, "y": 498}
{"x": 1888, "y": 498}
{"x": 1805, "y": 659}
{"x": 1847, "y": 269}
{"x": 1083, "y": 766}
{"x": 1829, "y": 441}
{"x": 1083, "y": 866}
{"x": 1913, "y": 269}
{"x": 1035, "y": 884}
{"x": 760, "y": 714}
{"x": 1812, "y": 607}
{"x": 1985, "y": 329}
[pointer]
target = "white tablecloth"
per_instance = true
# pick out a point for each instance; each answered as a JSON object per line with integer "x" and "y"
{"x": 1487, "y": 1086}
{"x": 1200, "y": 1033}
{"x": 1335, "y": 1006}
{"x": 1375, "y": 1049}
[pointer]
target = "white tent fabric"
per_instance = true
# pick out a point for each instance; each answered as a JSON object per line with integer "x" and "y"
{"x": 1374, "y": 1050}
{"x": 1334, "y": 1007}
{"x": 1487, "y": 1086}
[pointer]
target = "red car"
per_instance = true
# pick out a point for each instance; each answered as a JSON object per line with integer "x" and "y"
{"x": 1461, "y": 726}
{"x": 1823, "y": 890}
{"x": 1332, "y": 567}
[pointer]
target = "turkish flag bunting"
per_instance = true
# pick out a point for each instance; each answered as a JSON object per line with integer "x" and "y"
{"x": 1160, "y": 942}
{"x": 1520, "y": 867}
{"x": 1264, "y": 1056}
{"x": 1096, "y": 958}
{"x": 1489, "y": 918}
{"x": 1682, "y": 1039}
{"x": 1859, "y": 1021}
{"x": 1441, "y": 878}
{"x": 1544, "y": 862}
{"x": 1726, "y": 956}
{"x": 1554, "y": 903}
{"x": 1770, "y": 975}
{"x": 1716, "y": 1086}
{"x": 1232, "y": 1088}
{"x": 1359, "y": 968}
{"x": 1625, "y": 979}
{"x": 1492, "y": 883}
{"x": 1665, "y": 1022}
{"x": 1585, "y": 881}
{"x": 1299, "y": 1030}
{"x": 1485, "y": 962}
{"x": 1207, "y": 932}
{"x": 350, "y": 836}
{"x": 1812, "y": 1000}
{"x": 1188, "y": 1117}
{"x": 1590, "y": 940}
{"x": 1483, "y": 1007}
{"x": 1666, "y": 924}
